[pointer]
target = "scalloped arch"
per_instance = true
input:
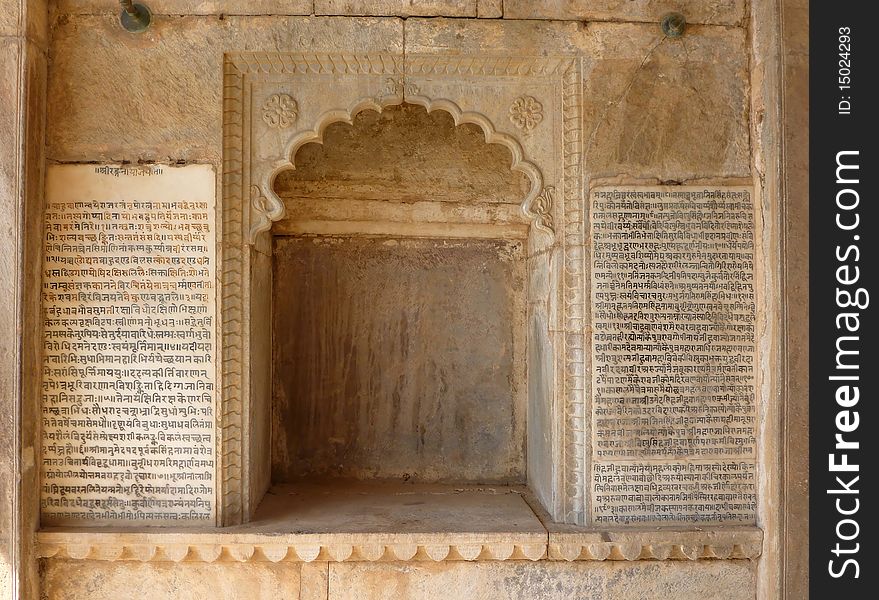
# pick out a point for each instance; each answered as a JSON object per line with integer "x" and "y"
{"x": 270, "y": 208}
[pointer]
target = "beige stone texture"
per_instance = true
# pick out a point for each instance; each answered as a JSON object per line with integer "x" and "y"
{"x": 421, "y": 379}
{"x": 37, "y": 22}
{"x": 80, "y": 580}
{"x": 10, "y": 17}
{"x": 780, "y": 84}
{"x": 314, "y": 581}
{"x": 22, "y": 122}
{"x": 191, "y": 7}
{"x": 497, "y": 38}
{"x": 369, "y": 522}
{"x": 261, "y": 381}
{"x": 490, "y": 9}
{"x": 402, "y": 155}
{"x": 674, "y": 109}
{"x": 31, "y": 346}
{"x": 716, "y": 12}
{"x": 653, "y": 109}
{"x": 727, "y": 580}
{"x": 397, "y": 8}
{"x": 367, "y": 510}
{"x": 677, "y": 109}
{"x": 158, "y": 96}
{"x": 28, "y": 18}
{"x": 10, "y": 326}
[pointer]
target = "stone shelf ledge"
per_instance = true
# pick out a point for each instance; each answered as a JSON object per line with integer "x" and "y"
{"x": 743, "y": 543}
{"x": 355, "y": 521}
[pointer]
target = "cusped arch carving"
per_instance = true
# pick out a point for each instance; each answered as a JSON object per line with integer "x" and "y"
{"x": 254, "y": 152}
{"x": 268, "y": 207}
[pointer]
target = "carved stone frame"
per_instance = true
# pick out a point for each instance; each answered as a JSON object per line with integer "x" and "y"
{"x": 273, "y": 103}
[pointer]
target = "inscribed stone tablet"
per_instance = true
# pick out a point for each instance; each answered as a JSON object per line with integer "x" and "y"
{"x": 129, "y": 400}
{"x": 673, "y": 355}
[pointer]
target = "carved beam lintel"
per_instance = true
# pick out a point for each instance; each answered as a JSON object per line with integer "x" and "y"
{"x": 741, "y": 545}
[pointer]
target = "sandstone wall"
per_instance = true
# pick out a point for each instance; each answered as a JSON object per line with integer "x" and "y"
{"x": 655, "y": 110}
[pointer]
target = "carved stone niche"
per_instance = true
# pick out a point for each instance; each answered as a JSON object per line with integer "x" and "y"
{"x": 275, "y": 103}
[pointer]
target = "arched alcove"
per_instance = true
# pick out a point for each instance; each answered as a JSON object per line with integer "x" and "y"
{"x": 400, "y": 311}
{"x": 399, "y": 305}
{"x": 538, "y": 214}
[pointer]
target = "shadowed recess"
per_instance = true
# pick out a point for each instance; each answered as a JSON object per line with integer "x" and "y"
{"x": 404, "y": 154}
{"x": 398, "y": 359}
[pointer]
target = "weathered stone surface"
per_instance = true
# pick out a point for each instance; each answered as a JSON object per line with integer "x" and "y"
{"x": 22, "y": 97}
{"x": 10, "y": 327}
{"x": 653, "y": 110}
{"x": 158, "y": 96}
{"x": 10, "y": 152}
{"x": 364, "y": 513}
{"x": 719, "y": 12}
{"x": 780, "y": 109}
{"x": 403, "y": 154}
{"x": 495, "y": 38}
{"x": 27, "y": 18}
{"x": 490, "y": 9}
{"x": 399, "y": 8}
{"x": 95, "y": 580}
{"x": 77, "y": 580}
{"x": 420, "y": 379}
{"x": 10, "y": 14}
{"x": 676, "y": 109}
{"x": 192, "y": 7}
{"x": 727, "y": 580}
{"x": 37, "y": 22}
{"x": 31, "y": 347}
{"x": 370, "y": 521}
{"x": 121, "y": 205}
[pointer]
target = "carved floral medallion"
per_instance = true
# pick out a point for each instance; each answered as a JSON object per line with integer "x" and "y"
{"x": 280, "y": 111}
{"x": 526, "y": 112}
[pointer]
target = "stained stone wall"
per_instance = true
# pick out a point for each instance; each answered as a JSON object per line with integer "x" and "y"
{"x": 419, "y": 378}
{"x": 690, "y": 111}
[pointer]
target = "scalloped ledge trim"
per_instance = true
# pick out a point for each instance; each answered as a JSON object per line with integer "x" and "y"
{"x": 219, "y": 547}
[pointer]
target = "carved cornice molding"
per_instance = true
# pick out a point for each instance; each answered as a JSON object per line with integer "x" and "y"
{"x": 661, "y": 551}
{"x": 315, "y": 63}
{"x": 726, "y": 543}
{"x": 511, "y": 66}
{"x": 231, "y": 547}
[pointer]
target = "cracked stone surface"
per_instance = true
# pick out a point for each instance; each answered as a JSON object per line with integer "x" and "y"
{"x": 668, "y": 109}
{"x": 653, "y": 108}
{"x": 721, "y": 580}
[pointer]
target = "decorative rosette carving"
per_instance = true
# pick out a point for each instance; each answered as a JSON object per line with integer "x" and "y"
{"x": 280, "y": 111}
{"x": 526, "y": 112}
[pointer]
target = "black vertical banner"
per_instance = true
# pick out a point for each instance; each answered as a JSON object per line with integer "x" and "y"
{"x": 844, "y": 299}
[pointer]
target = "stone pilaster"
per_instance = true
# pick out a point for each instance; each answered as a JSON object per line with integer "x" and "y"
{"x": 23, "y": 43}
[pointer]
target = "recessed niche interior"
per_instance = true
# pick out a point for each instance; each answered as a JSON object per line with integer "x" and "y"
{"x": 398, "y": 359}
{"x": 401, "y": 333}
